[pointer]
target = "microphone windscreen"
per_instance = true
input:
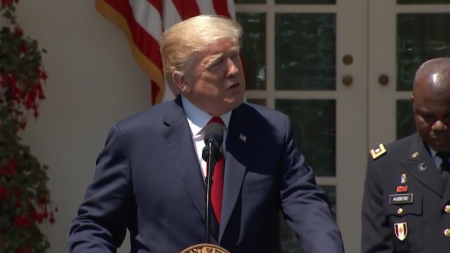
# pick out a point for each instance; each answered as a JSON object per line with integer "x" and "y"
{"x": 214, "y": 131}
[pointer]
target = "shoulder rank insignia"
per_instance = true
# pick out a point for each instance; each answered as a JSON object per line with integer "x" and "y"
{"x": 377, "y": 152}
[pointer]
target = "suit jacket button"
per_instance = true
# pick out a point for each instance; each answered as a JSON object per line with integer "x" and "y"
{"x": 447, "y": 209}
{"x": 447, "y": 232}
{"x": 400, "y": 210}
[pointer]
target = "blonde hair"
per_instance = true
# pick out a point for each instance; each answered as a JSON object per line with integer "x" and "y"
{"x": 182, "y": 43}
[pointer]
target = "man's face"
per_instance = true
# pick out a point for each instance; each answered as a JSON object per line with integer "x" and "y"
{"x": 216, "y": 81}
{"x": 432, "y": 116}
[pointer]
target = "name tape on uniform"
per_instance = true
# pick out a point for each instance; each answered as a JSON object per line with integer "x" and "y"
{"x": 401, "y": 198}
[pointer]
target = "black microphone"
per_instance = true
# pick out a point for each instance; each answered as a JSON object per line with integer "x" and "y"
{"x": 213, "y": 141}
{"x": 211, "y": 154}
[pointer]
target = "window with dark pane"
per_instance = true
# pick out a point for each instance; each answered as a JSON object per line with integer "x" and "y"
{"x": 314, "y": 124}
{"x": 423, "y": 1}
{"x": 405, "y": 118}
{"x": 420, "y": 37}
{"x": 305, "y": 1}
{"x": 258, "y": 101}
{"x": 254, "y": 49}
{"x": 289, "y": 240}
{"x": 305, "y": 51}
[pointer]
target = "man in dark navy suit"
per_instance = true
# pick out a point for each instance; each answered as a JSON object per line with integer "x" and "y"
{"x": 406, "y": 204}
{"x": 150, "y": 174}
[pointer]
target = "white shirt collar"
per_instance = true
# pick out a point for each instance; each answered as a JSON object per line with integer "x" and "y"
{"x": 198, "y": 119}
{"x": 432, "y": 152}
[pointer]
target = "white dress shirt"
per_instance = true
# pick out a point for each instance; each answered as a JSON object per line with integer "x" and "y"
{"x": 197, "y": 120}
{"x": 437, "y": 159}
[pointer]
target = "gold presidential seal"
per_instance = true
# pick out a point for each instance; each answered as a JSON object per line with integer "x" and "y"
{"x": 205, "y": 248}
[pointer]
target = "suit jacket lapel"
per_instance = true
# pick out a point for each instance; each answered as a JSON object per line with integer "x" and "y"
{"x": 430, "y": 177}
{"x": 178, "y": 138}
{"x": 235, "y": 165}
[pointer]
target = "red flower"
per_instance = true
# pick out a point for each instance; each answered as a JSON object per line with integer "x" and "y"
{"x": 23, "y": 124}
{"x": 37, "y": 70}
{"x": 12, "y": 79}
{"x": 44, "y": 75}
{"x": 51, "y": 219}
{"x": 18, "y": 31}
{"x": 42, "y": 200}
{"x": 25, "y": 249}
{"x": 11, "y": 167}
{"x": 22, "y": 222}
{"x": 30, "y": 100}
{"x": 24, "y": 48}
{"x": 39, "y": 217}
{"x": 6, "y": 2}
{"x": 4, "y": 80}
{"x": 17, "y": 192}
{"x": 40, "y": 91}
{"x": 4, "y": 192}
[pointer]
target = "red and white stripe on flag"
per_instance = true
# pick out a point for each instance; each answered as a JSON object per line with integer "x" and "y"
{"x": 143, "y": 21}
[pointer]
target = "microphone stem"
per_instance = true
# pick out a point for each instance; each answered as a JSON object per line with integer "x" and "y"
{"x": 209, "y": 177}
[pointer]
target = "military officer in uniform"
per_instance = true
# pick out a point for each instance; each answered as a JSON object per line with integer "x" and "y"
{"x": 406, "y": 203}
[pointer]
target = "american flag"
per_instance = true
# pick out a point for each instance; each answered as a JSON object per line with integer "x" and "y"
{"x": 143, "y": 21}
